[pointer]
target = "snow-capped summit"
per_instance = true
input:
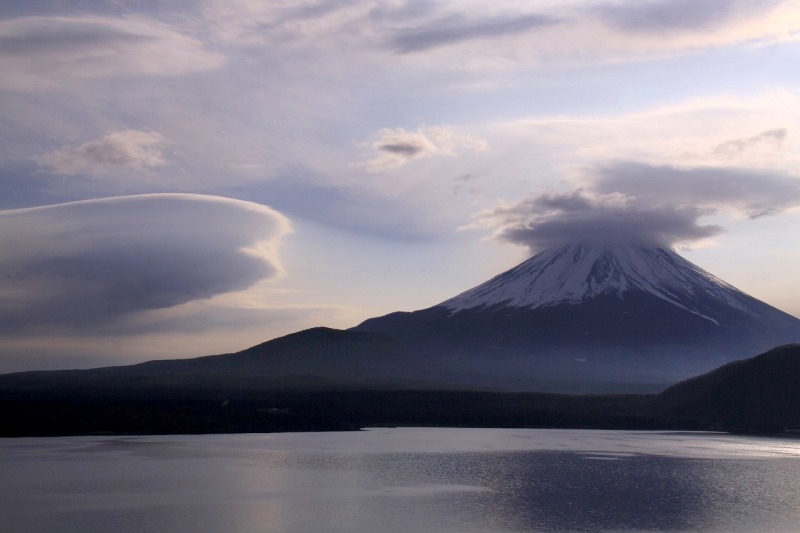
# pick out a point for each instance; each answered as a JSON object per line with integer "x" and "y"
{"x": 574, "y": 273}
{"x": 591, "y": 316}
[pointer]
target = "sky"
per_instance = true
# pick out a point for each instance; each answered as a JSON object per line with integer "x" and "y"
{"x": 183, "y": 178}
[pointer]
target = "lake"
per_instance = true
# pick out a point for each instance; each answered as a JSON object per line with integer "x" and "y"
{"x": 402, "y": 479}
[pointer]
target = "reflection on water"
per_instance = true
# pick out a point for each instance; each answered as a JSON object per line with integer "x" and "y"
{"x": 405, "y": 479}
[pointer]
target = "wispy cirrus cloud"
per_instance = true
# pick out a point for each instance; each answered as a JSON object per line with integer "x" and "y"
{"x": 452, "y": 30}
{"x": 773, "y": 138}
{"x": 679, "y": 16}
{"x": 520, "y": 34}
{"x": 41, "y": 52}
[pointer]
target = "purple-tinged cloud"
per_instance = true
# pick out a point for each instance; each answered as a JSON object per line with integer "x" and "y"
{"x": 86, "y": 266}
{"x": 624, "y": 201}
{"x": 396, "y": 147}
{"x": 38, "y": 53}
{"x": 121, "y": 150}
{"x": 549, "y": 220}
{"x": 752, "y": 192}
{"x": 673, "y": 16}
{"x": 770, "y": 138}
{"x": 443, "y": 32}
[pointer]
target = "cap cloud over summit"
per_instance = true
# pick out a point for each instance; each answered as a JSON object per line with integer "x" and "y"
{"x": 628, "y": 201}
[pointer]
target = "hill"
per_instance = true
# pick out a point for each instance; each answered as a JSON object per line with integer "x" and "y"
{"x": 758, "y": 393}
{"x": 205, "y": 395}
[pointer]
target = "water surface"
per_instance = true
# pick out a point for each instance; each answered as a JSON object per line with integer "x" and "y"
{"x": 405, "y": 479}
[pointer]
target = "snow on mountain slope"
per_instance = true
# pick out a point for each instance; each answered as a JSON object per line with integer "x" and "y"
{"x": 577, "y": 272}
{"x": 600, "y": 317}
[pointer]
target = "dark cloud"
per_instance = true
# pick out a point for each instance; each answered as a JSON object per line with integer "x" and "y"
{"x": 396, "y": 147}
{"x": 669, "y": 16}
{"x": 405, "y": 149}
{"x": 549, "y": 220}
{"x": 120, "y": 9}
{"x": 625, "y": 201}
{"x": 753, "y": 192}
{"x": 127, "y": 279}
{"x": 94, "y": 264}
{"x": 444, "y": 32}
{"x": 773, "y": 138}
{"x": 80, "y": 35}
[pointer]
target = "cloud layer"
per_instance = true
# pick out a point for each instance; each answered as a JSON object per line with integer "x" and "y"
{"x": 453, "y": 30}
{"x": 545, "y": 221}
{"x": 518, "y": 32}
{"x": 93, "y": 264}
{"x": 626, "y": 201}
{"x": 679, "y": 16}
{"x": 752, "y": 192}
{"x": 46, "y": 52}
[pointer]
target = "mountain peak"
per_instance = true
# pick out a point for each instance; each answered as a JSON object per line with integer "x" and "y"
{"x": 594, "y": 316}
{"x": 574, "y": 273}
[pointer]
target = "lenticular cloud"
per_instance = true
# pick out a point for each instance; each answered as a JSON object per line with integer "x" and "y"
{"x": 93, "y": 263}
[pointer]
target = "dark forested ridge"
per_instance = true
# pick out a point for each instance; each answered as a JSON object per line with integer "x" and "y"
{"x": 210, "y": 395}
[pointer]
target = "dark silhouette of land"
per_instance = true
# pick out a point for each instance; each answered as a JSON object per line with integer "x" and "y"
{"x": 279, "y": 386}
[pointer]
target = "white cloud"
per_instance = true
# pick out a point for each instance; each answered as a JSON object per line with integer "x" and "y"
{"x": 121, "y": 150}
{"x": 40, "y": 53}
{"x": 396, "y": 147}
{"x": 699, "y": 132}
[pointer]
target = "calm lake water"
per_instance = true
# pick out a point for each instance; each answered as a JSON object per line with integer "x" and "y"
{"x": 406, "y": 479}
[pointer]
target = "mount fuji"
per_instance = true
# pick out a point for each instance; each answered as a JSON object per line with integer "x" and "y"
{"x": 589, "y": 317}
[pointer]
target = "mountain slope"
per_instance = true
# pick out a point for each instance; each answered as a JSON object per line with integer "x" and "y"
{"x": 757, "y": 393}
{"x": 575, "y": 273}
{"x": 593, "y": 317}
{"x": 314, "y": 358}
